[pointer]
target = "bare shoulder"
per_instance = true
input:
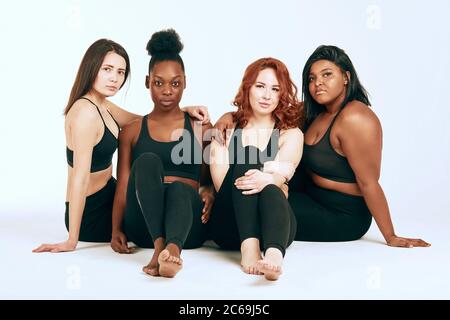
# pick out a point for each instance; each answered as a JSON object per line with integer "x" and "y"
{"x": 357, "y": 115}
{"x": 83, "y": 113}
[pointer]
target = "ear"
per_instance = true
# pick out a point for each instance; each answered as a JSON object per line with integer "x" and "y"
{"x": 347, "y": 77}
{"x": 184, "y": 82}
{"x": 147, "y": 82}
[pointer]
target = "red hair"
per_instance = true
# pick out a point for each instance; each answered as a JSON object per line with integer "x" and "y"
{"x": 288, "y": 114}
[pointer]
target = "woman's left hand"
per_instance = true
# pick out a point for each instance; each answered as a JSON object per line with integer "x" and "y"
{"x": 207, "y": 195}
{"x": 395, "y": 241}
{"x": 198, "y": 112}
{"x": 254, "y": 181}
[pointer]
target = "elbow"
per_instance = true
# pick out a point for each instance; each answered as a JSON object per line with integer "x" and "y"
{"x": 366, "y": 185}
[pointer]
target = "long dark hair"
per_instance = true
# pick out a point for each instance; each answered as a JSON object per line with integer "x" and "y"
{"x": 90, "y": 65}
{"x": 355, "y": 90}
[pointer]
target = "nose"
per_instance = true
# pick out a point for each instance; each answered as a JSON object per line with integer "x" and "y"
{"x": 113, "y": 77}
{"x": 167, "y": 90}
{"x": 267, "y": 94}
{"x": 318, "y": 81}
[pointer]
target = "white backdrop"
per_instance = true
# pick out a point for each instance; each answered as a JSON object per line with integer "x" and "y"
{"x": 399, "y": 48}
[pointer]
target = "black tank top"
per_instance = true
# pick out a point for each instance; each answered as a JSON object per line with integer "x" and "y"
{"x": 182, "y": 158}
{"x": 238, "y": 154}
{"x": 324, "y": 161}
{"x": 103, "y": 151}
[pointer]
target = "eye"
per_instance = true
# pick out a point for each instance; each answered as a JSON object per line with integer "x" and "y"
{"x": 327, "y": 74}
{"x": 121, "y": 72}
{"x": 276, "y": 89}
{"x": 108, "y": 69}
{"x": 259, "y": 86}
{"x": 176, "y": 84}
{"x": 157, "y": 83}
{"x": 310, "y": 78}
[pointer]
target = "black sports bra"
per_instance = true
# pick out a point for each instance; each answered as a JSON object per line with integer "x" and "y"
{"x": 172, "y": 154}
{"x": 103, "y": 151}
{"x": 324, "y": 161}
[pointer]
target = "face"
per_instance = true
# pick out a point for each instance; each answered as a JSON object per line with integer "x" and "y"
{"x": 166, "y": 83}
{"x": 111, "y": 75}
{"x": 327, "y": 83}
{"x": 264, "y": 94}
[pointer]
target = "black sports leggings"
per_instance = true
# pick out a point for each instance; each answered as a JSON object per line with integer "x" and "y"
{"x": 265, "y": 215}
{"x": 155, "y": 209}
{"x": 96, "y": 223}
{"x": 327, "y": 215}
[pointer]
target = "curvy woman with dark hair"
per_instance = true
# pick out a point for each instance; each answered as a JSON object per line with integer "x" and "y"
{"x": 335, "y": 191}
{"x": 341, "y": 156}
{"x": 251, "y": 212}
{"x": 160, "y": 169}
{"x": 92, "y": 125}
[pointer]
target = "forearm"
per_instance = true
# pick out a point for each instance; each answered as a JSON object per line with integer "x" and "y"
{"x": 376, "y": 202}
{"x": 283, "y": 168}
{"x": 118, "y": 210}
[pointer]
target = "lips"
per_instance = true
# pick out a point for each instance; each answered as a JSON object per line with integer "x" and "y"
{"x": 264, "y": 104}
{"x": 111, "y": 88}
{"x": 166, "y": 102}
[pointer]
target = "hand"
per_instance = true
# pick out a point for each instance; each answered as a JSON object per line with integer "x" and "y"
{"x": 285, "y": 189}
{"x": 198, "y": 112}
{"x": 65, "y": 246}
{"x": 207, "y": 195}
{"x": 395, "y": 241}
{"x": 119, "y": 242}
{"x": 222, "y": 131}
{"x": 254, "y": 181}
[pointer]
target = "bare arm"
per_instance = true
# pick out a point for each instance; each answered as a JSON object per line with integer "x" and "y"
{"x": 219, "y": 162}
{"x": 84, "y": 133}
{"x": 198, "y": 112}
{"x": 122, "y": 116}
{"x": 223, "y": 127}
{"x": 361, "y": 142}
{"x": 278, "y": 171}
{"x": 206, "y": 186}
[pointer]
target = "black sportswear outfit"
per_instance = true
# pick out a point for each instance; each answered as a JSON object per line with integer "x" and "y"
{"x": 265, "y": 215}
{"x": 96, "y": 223}
{"x": 323, "y": 214}
{"x": 156, "y": 209}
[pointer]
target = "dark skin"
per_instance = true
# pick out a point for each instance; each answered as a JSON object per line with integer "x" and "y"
{"x": 166, "y": 83}
{"x": 356, "y": 135}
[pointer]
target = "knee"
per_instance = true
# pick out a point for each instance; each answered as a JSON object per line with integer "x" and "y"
{"x": 178, "y": 188}
{"x": 147, "y": 161}
{"x": 271, "y": 190}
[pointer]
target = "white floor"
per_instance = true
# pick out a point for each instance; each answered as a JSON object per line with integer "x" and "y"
{"x": 364, "y": 269}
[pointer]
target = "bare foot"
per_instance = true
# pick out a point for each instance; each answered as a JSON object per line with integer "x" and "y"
{"x": 271, "y": 265}
{"x": 169, "y": 262}
{"x": 152, "y": 268}
{"x": 250, "y": 255}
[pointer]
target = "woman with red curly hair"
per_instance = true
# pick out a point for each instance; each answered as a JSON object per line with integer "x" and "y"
{"x": 248, "y": 171}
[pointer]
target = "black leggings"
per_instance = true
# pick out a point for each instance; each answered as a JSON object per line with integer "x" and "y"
{"x": 155, "y": 209}
{"x": 96, "y": 223}
{"x": 327, "y": 215}
{"x": 265, "y": 215}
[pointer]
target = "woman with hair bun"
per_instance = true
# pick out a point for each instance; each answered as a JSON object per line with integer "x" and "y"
{"x": 92, "y": 125}
{"x": 251, "y": 212}
{"x": 160, "y": 169}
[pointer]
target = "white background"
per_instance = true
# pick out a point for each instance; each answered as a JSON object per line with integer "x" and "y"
{"x": 399, "y": 48}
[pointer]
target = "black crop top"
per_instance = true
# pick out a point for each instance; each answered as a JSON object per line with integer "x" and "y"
{"x": 324, "y": 161}
{"x": 103, "y": 151}
{"x": 238, "y": 154}
{"x": 182, "y": 158}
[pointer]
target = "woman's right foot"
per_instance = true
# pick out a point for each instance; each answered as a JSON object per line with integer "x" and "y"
{"x": 152, "y": 268}
{"x": 271, "y": 265}
{"x": 250, "y": 256}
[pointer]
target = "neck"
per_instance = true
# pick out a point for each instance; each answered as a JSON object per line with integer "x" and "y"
{"x": 162, "y": 113}
{"x": 261, "y": 121}
{"x": 96, "y": 97}
{"x": 336, "y": 105}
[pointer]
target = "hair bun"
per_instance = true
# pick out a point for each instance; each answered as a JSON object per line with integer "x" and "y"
{"x": 164, "y": 42}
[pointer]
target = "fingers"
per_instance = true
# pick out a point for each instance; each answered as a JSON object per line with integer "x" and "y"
{"x": 419, "y": 243}
{"x": 251, "y": 172}
{"x": 44, "y": 248}
{"x": 205, "y": 217}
